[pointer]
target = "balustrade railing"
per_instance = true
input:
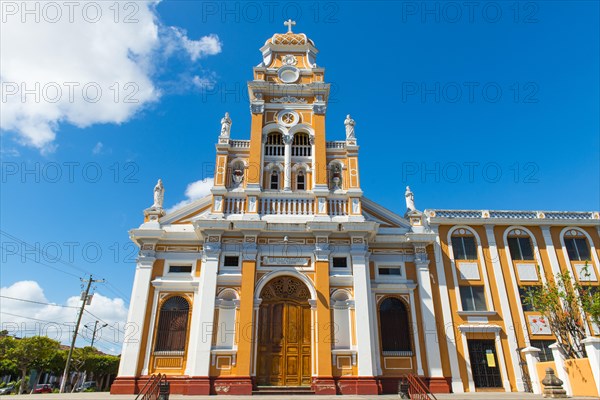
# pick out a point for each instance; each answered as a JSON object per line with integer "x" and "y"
{"x": 235, "y": 205}
{"x": 301, "y": 150}
{"x": 274, "y": 206}
{"x": 274, "y": 150}
{"x": 244, "y": 144}
{"x": 338, "y": 207}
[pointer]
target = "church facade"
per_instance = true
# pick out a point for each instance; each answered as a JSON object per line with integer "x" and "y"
{"x": 286, "y": 275}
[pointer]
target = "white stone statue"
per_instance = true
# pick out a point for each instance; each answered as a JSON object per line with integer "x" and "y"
{"x": 225, "y": 125}
{"x": 159, "y": 195}
{"x": 410, "y": 199}
{"x": 349, "y": 122}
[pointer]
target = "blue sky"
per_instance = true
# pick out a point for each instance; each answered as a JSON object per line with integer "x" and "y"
{"x": 493, "y": 107}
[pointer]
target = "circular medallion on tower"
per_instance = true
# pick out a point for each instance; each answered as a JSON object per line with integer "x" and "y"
{"x": 288, "y": 118}
{"x": 288, "y": 74}
{"x": 289, "y": 59}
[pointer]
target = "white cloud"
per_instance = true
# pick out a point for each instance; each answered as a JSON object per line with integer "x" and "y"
{"x": 206, "y": 45}
{"x": 194, "y": 191}
{"x": 83, "y": 71}
{"x": 24, "y": 319}
{"x": 98, "y": 148}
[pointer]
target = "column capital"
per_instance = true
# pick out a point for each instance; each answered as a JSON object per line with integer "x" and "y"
{"x": 211, "y": 251}
{"x": 421, "y": 253}
{"x": 146, "y": 259}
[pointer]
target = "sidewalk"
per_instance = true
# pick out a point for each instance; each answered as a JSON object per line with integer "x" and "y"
{"x": 465, "y": 396}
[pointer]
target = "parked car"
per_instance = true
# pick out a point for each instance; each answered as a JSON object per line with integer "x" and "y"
{"x": 43, "y": 388}
{"x": 89, "y": 386}
{"x": 10, "y": 389}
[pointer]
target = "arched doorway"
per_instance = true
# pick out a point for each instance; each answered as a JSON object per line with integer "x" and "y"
{"x": 284, "y": 334}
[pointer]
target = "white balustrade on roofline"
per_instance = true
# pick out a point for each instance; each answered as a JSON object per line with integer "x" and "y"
{"x": 286, "y": 206}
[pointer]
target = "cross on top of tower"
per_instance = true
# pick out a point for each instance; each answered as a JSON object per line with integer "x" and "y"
{"x": 289, "y": 23}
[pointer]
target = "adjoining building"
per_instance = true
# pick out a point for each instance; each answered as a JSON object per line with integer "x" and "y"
{"x": 286, "y": 275}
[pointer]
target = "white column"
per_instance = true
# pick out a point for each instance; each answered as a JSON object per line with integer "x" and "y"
{"x": 362, "y": 292}
{"x": 203, "y": 313}
{"x": 509, "y": 326}
{"x": 135, "y": 318}
{"x": 532, "y": 357}
{"x": 432, "y": 347}
{"x": 561, "y": 372}
{"x": 503, "y": 371}
{"x": 287, "y": 166}
{"x": 457, "y": 385}
{"x": 415, "y": 327}
{"x": 551, "y": 251}
{"x": 592, "y": 348}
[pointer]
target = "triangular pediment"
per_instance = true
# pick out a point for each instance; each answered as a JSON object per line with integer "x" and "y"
{"x": 188, "y": 213}
{"x": 384, "y": 217}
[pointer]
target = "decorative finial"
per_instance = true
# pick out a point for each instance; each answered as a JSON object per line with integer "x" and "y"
{"x": 410, "y": 199}
{"x": 159, "y": 195}
{"x": 289, "y": 23}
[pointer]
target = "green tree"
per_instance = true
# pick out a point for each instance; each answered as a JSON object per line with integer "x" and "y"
{"x": 7, "y": 364}
{"x": 34, "y": 352}
{"x": 103, "y": 365}
{"x": 567, "y": 306}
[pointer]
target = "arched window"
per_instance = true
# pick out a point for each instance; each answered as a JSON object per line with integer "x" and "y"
{"x": 464, "y": 246}
{"x": 300, "y": 180}
{"x": 520, "y": 245}
{"x": 172, "y": 325}
{"x": 395, "y": 328}
{"x": 274, "y": 145}
{"x": 274, "y": 184}
{"x": 577, "y": 246}
{"x": 301, "y": 145}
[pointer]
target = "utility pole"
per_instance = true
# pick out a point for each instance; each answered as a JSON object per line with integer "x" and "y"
{"x": 95, "y": 330}
{"x": 63, "y": 383}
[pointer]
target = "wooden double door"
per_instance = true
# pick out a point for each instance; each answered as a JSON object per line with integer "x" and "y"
{"x": 284, "y": 336}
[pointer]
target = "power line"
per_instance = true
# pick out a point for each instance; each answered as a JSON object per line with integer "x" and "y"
{"x": 37, "y": 302}
{"x": 44, "y": 264}
{"x": 38, "y": 250}
{"x": 35, "y": 319}
{"x": 108, "y": 285}
{"x": 114, "y": 290}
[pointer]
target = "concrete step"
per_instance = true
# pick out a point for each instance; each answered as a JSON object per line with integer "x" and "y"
{"x": 283, "y": 390}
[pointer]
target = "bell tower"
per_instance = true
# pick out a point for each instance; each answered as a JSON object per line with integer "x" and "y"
{"x": 287, "y": 167}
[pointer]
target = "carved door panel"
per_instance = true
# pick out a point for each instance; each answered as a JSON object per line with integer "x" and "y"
{"x": 284, "y": 340}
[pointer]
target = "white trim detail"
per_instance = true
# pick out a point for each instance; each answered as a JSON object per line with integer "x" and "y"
{"x": 505, "y": 307}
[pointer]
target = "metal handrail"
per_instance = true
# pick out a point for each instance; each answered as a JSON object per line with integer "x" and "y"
{"x": 151, "y": 389}
{"x": 417, "y": 389}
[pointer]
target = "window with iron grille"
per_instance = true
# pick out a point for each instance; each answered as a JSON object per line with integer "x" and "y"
{"x": 172, "y": 325}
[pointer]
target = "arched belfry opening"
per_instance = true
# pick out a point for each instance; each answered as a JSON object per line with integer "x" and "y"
{"x": 284, "y": 334}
